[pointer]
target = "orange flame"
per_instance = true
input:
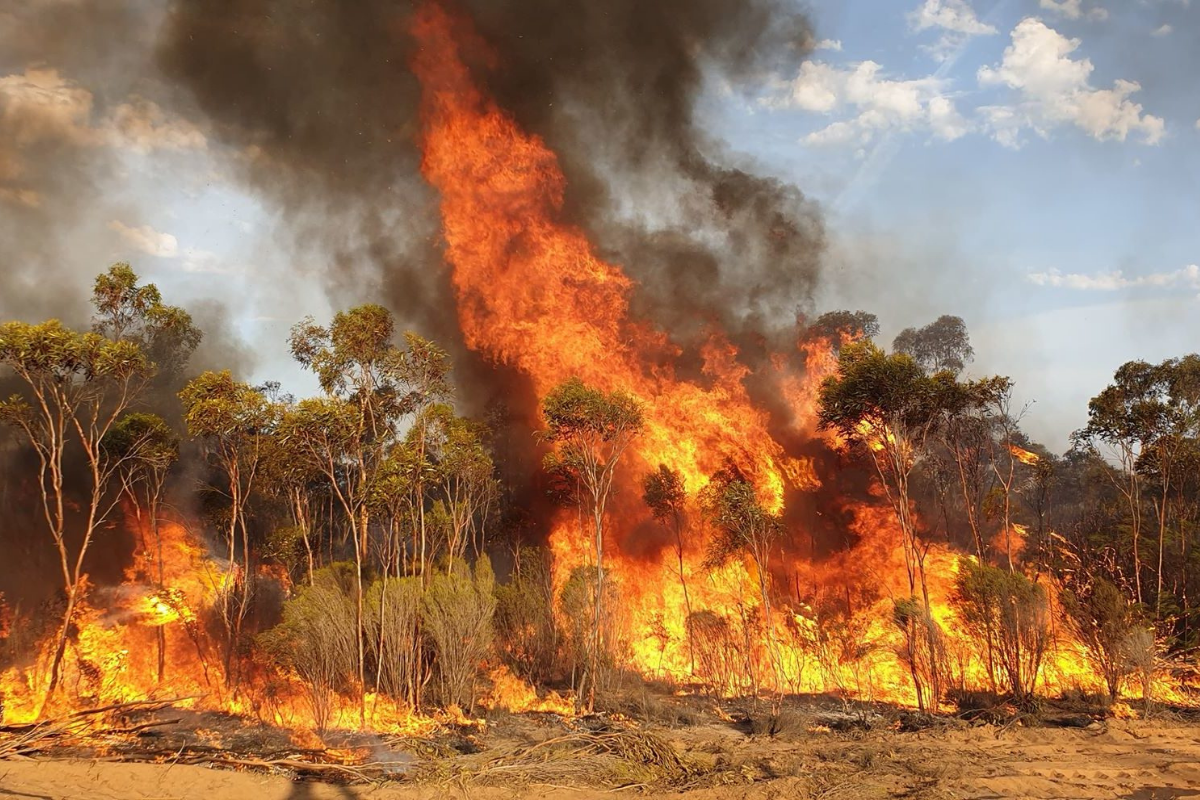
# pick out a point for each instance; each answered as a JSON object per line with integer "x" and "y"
{"x": 532, "y": 293}
{"x": 1024, "y": 456}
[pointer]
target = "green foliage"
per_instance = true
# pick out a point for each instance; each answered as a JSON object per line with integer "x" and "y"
{"x": 393, "y": 631}
{"x": 743, "y": 526}
{"x": 218, "y": 407}
{"x": 1103, "y": 619}
{"x": 577, "y": 601}
{"x": 462, "y": 472}
{"x": 941, "y": 346}
{"x": 59, "y": 360}
{"x": 316, "y": 638}
{"x": 1009, "y": 615}
{"x": 355, "y": 358}
{"x": 576, "y": 413}
{"x": 885, "y": 392}
{"x": 526, "y": 634}
{"x": 145, "y": 438}
{"x": 126, "y": 311}
{"x": 663, "y": 493}
{"x": 457, "y": 612}
{"x": 284, "y": 544}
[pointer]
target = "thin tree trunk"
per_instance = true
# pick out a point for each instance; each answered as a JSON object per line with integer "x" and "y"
{"x": 687, "y": 601}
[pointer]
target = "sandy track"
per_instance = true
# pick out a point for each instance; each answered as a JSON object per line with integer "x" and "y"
{"x": 1133, "y": 760}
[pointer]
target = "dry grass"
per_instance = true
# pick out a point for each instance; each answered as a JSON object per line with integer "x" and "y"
{"x": 606, "y": 760}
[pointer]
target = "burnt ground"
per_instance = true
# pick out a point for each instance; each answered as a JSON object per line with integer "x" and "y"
{"x": 650, "y": 743}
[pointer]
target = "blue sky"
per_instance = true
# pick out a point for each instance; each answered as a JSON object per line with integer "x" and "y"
{"x": 1031, "y": 165}
{"x": 981, "y": 158}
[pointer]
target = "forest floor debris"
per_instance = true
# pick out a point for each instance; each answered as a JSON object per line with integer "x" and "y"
{"x": 808, "y": 748}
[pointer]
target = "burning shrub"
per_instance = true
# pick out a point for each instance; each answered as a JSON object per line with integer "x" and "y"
{"x": 589, "y": 670}
{"x": 1008, "y": 615}
{"x": 392, "y": 611}
{"x": 1103, "y": 619}
{"x": 719, "y": 660}
{"x": 1141, "y": 650}
{"x": 525, "y": 618}
{"x": 316, "y": 638}
{"x": 922, "y": 650}
{"x": 457, "y": 610}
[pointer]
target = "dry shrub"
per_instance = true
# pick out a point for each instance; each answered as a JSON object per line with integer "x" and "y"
{"x": 842, "y": 645}
{"x": 1103, "y": 619}
{"x": 1008, "y": 615}
{"x": 317, "y": 638}
{"x": 719, "y": 661}
{"x": 392, "y": 623}
{"x": 1141, "y": 654}
{"x": 607, "y": 759}
{"x": 527, "y": 636}
{"x": 578, "y": 603}
{"x": 922, "y": 650}
{"x": 784, "y": 724}
{"x": 457, "y": 612}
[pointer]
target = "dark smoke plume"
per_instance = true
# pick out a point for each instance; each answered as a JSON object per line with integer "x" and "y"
{"x": 320, "y": 103}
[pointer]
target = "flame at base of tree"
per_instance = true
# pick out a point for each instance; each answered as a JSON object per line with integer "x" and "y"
{"x": 151, "y": 640}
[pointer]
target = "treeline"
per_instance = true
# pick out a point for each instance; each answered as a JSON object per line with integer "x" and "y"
{"x": 1110, "y": 525}
{"x": 380, "y": 504}
{"x": 375, "y": 498}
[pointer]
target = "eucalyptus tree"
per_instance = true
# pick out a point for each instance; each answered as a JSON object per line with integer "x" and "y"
{"x": 887, "y": 407}
{"x": 371, "y": 388}
{"x": 664, "y": 494}
{"x": 1148, "y": 422}
{"x": 743, "y": 525}
{"x": 127, "y": 311}
{"x": 463, "y": 476}
{"x": 291, "y": 475}
{"x": 145, "y": 448}
{"x": 589, "y": 430}
{"x": 943, "y": 345}
{"x": 235, "y": 422}
{"x": 76, "y": 388}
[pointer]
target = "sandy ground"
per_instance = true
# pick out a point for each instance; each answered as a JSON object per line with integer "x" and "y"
{"x": 1139, "y": 760}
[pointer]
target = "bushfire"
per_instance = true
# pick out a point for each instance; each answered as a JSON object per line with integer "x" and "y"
{"x": 534, "y": 294}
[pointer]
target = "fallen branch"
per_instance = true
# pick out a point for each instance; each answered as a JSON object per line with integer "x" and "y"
{"x": 24, "y": 739}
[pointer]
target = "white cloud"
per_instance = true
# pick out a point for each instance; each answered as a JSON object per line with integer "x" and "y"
{"x": 21, "y": 197}
{"x": 951, "y": 15}
{"x": 945, "y": 121}
{"x": 1054, "y": 90}
{"x": 1188, "y": 277}
{"x": 957, "y": 21}
{"x": 1162, "y": 30}
{"x": 40, "y": 105}
{"x": 206, "y": 262}
{"x": 143, "y": 126}
{"x": 146, "y": 240}
{"x": 1073, "y": 9}
{"x": 830, "y": 44}
{"x": 878, "y": 103}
